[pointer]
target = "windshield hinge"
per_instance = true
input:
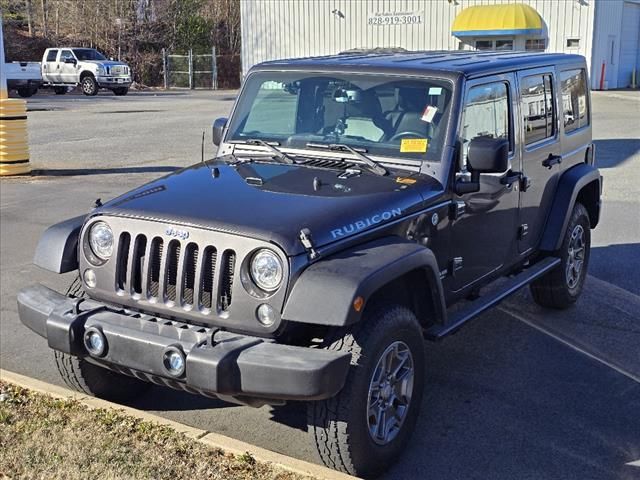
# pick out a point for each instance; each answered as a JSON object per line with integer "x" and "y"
{"x": 307, "y": 242}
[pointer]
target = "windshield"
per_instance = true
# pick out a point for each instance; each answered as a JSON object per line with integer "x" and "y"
{"x": 88, "y": 54}
{"x": 382, "y": 115}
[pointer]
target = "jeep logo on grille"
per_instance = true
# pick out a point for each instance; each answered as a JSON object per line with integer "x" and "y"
{"x": 177, "y": 233}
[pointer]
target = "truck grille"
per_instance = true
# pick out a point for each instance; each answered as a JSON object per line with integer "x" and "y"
{"x": 175, "y": 273}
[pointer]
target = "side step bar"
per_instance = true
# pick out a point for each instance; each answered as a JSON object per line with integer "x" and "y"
{"x": 483, "y": 304}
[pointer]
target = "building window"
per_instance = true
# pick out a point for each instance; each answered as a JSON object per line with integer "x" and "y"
{"x": 535, "y": 45}
{"x": 573, "y": 43}
{"x": 538, "y": 108}
{"x": 484, "y": 44}
{"x": 486, "y": 114}
{"x": 575, "y": 109}
{"x": 504, "y": 44}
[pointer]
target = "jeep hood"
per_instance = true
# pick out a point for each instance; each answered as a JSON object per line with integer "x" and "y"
{"x": 273, "y": 202}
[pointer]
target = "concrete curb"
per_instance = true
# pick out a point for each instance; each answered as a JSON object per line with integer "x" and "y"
{"x": 210, "y": 439}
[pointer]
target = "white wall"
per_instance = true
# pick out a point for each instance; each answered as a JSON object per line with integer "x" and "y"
{"x": 273, "y": 29}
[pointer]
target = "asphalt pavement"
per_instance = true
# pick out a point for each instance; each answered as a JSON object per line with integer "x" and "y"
{"x": 521, "y": 393}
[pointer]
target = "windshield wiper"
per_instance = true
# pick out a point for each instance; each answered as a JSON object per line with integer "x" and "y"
{"x": 283, "y": 157}
{"x": 371, "y": 164}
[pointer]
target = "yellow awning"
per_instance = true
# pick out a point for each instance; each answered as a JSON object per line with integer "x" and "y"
{"x": 491, "y": 20}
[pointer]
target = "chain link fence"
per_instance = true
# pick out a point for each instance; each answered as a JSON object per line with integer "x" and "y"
{"x": 200, "y": 71}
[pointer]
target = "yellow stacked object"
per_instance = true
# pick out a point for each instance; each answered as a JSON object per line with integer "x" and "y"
{"x": 14, "y": 141}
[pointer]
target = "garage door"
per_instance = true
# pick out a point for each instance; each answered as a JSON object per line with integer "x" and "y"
{"x": 630, "y": 44}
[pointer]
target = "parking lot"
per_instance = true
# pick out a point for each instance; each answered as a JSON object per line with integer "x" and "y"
{"x": 520, "y": 393}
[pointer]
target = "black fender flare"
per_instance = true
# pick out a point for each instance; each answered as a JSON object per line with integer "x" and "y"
{"x": 569, "y": 187}
{"x": 325, "y": 292}
{"x": 57, "y": 249}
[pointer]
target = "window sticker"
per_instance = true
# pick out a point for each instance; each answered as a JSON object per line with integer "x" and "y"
{"x": 429, "y": 113}
{"x": 435, "y": 91}
{"x": 413, "y": 145}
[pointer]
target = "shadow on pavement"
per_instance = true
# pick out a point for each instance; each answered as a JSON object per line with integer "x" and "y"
{"x": 68, "y": 172}
{"x": 618, "y": 265}
{"x": 612, "y": 152}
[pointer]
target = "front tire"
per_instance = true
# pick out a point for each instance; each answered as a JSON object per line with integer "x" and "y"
{"x": 89, "y": 86}
{"x": 366, "y": 427}
{"x": 91, "y": 379}
{"x": 562, "y": 286}
{"x": 85, "y": 377}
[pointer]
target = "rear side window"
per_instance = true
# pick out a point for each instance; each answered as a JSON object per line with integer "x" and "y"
{"x": 538, "y": 108}
{"x": 486, "y": 113}
{"x": 51, "y": 56}
{"x": 575, "y": 109}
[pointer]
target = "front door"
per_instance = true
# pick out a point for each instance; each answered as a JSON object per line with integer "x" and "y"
{"x": 484, "y": 233}
{"x": 541, "y": 152}
{"x": 67, "y": 70}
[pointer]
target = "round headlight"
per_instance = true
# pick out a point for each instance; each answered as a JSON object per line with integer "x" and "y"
{"x": 101, "y": 240}
{"x": 266, "y": 270}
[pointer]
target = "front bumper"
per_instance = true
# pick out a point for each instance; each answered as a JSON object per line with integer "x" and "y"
{"x": 218, "y": 363}
{"x": 111, "y": 82}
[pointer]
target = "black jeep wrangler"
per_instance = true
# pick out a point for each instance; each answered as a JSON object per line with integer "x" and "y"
{"x": 353, "y": 201}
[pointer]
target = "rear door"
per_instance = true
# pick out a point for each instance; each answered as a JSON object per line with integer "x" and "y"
{"x": 49, "y": 66}
{"x": 541, "y": 152}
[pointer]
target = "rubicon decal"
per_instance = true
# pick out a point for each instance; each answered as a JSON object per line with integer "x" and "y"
{"x": 365, "y": 223}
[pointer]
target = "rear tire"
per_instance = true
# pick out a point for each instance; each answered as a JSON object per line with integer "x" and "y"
{"x": 85, "y": 377}
{"x": 121, "y": 91}
{"x": 562, "y": 286}
{"x": 89, "y": 86}
{"x": 367, "y": 425}
{"x": 60, "y": 90}
{"x": 26, "y": 92}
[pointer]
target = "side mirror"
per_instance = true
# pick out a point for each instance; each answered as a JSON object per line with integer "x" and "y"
{"x": 218, "y": 129}
{"x": 70, "y": 60}
{"x": 485, "y": 155}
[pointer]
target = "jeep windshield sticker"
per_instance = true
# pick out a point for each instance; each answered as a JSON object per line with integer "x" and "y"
{"x": 413, "y": 145}
{"x": 365, "y": 223}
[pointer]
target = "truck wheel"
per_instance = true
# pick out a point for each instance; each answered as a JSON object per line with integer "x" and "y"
{"x": 365, "y": 427}
{"x": 60, "y": 90}
{"x": 121, "y": 91}
{"x": 85, "y": 377}
{"x": 88, "y": 378}
{"x": 26, "y": 92}
{"x": 561, "y": 287}
{"x": 89, "y": 86}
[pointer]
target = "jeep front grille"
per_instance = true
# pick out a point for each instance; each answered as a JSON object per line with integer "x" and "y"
{"x": 174, "y": 272}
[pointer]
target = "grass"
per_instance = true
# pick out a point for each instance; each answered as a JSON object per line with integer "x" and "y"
{"x": 48, "y": 438}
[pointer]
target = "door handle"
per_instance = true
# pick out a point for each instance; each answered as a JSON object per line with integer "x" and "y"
{"x": 510, "y": 177}
{"x": 551, "y": 161}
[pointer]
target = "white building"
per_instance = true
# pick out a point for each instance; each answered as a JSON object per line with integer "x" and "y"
{"x": 606, "y": 32}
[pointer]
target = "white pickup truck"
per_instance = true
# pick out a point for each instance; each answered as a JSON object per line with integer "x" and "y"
{"x": 62, "y": 68}
{"x": 24, "y": 77}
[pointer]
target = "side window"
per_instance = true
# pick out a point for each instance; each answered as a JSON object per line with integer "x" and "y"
{"x": 486, "y": 113}
{"x": 538, "y": 108}
{"x": 65, "y": 54}
{"x": 575, "y": 109}
{"x": 51, "y": 56}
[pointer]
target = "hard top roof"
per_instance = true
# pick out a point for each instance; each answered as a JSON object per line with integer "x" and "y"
{"x": 466, "y": 62}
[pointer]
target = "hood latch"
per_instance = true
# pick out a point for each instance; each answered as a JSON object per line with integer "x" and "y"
{"x": 307, "y": 242}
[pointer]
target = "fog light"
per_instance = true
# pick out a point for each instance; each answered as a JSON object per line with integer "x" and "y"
{"x": 266, "y": 315}
{"x": 94, "y": 342}
{"x": 174, "y": 361}
{"x": 90, "y": 278}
